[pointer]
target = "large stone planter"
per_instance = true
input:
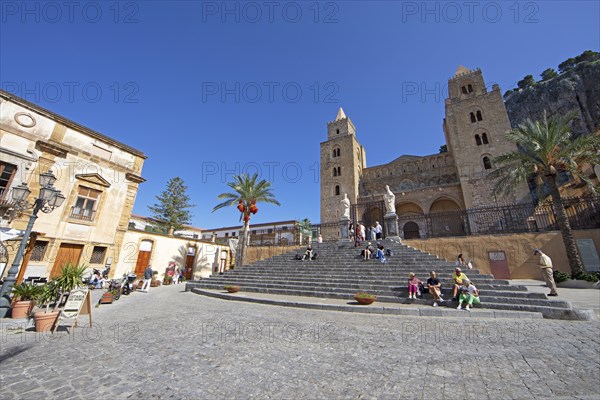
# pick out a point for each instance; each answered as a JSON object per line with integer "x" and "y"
{"x": 45, "y": 321}
{"x": 21, "y": 309}
{"x": 576, "y": 284}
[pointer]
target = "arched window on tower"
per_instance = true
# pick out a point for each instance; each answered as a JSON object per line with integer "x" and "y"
{"x": 337, "y": 131}
{"x": 477, "y": 140}
{"x": 472, "y": 116}
{"x": 337, "y": 190}
{"x": 339, "y": 171}
{"x": 335, "y": 171}
{"x": 470, "y": 89}
{"x": 339, "y": 152}
{"x": 487, "y": 164}
{"x": 464, "y": 90}
{"x": 479, "y": 117}
{"x": 484, "y": 138}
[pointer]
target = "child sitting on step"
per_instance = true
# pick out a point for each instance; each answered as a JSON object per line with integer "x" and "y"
{"x": 413, "y": 286}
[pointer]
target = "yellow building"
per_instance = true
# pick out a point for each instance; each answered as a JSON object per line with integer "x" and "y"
{"x": 99, "y": 177}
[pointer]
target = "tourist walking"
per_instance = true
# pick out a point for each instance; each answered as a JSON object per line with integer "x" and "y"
{"x": 435, "y": 288}
{"x": 361, "y": 228}
{"x": 469, "y": 294}
{"x": 545, "y": 264}
{"x": 176, "y": 276}
{"x": 413, "y": 286}
{"x": 147, "y": 279}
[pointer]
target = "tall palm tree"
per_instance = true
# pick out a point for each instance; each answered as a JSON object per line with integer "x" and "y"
{"x": 247, "y": 192}
{"x": 545, "y": 150}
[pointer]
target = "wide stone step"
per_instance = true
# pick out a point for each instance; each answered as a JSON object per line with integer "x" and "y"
{"x": 386, "y": 294}
{"x": 360, "y": 275}
{"x": 376, "y": 280}
{"x": 487, "y": 302}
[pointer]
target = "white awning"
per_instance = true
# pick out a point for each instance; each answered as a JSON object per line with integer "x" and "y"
{"x": 9, "y": 233}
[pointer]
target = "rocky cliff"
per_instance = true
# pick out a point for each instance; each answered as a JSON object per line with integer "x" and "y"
{"x": 577, "y": 89}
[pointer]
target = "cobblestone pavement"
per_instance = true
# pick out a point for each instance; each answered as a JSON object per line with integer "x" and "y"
{"x": 168, "y": 344}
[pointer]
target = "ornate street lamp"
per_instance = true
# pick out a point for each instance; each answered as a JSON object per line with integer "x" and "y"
{"x": 48, "y": 200}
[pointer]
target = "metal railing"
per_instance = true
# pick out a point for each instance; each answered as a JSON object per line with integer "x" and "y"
{"x": 583, "y": 213}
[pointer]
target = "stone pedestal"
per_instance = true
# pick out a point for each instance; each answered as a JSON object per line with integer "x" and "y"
{"x": 391, "y": 226}
{"x": 344, "y": 230}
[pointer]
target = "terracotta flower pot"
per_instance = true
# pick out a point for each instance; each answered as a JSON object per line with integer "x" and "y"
{"x": 232, "y": 289}
{"x": 365, "y": 300}
{"x": 21, "y": 309}
{"x": 107, "y": 298}
{"x": 45, "y": 321}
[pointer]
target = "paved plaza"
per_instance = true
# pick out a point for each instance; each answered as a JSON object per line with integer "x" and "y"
{"x": 170, "y": 344}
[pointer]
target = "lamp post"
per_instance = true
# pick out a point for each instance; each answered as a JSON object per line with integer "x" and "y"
{"x": 49, "y": 199}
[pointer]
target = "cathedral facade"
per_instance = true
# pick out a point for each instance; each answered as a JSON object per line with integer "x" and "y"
{"x": 474, "y": 126}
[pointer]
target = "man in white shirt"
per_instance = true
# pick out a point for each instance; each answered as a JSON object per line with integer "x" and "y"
{"x": 545, "y": 264}
{"x": 378, "y": 230}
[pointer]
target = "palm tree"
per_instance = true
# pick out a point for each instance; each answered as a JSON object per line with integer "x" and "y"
{"x": 546, "y": 149}
{"x": 247, "y": 193}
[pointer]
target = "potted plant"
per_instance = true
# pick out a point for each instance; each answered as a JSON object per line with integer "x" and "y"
{"x": 109, "y": 296}
{"x": 232, "y": 288}
{"x": 364, "y": 298}
{"x": 154, "y": 282}
{"x": 71, "y": 276}
{"x": 25, "y": 295}
{"x": 45, "y": 319}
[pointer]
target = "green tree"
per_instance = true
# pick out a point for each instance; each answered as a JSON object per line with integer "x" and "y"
{"x": 545, "y": 150}
{"x": 526, "y": 82}
{"x": 443, "y": 148}
{"x": 548, "y": 74}
{"x": 172, "y": 210}
{"x": 567, "y": 65}
{"x": 247, "y": 192}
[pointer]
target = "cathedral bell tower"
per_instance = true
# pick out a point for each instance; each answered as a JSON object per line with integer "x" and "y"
{"x": 341, "y": 164}
{"x": 474, "y": 126}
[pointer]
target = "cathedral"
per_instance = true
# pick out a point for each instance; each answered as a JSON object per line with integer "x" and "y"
{"x": 441, "y": 184}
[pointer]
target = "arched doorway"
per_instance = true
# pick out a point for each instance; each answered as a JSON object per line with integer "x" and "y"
{"x": 143, "y": 259}
{"x": 411, "y": 230}
{"x": 446, "y": 218}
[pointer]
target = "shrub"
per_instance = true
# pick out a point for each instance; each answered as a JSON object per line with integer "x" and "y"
{"x": 364, "y": 295}
{"x": 588, "y": 276}
{"x": 560, "y": 276}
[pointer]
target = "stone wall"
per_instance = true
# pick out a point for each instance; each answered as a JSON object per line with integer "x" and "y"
{"x": 257, "y": 253}
{"x": 518, "y": 248}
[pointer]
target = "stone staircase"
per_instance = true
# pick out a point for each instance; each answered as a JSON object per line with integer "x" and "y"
{"x": 339, "y": 272}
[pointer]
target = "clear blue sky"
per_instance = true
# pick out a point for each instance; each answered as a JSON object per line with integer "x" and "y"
{"x": 208, "y": 89}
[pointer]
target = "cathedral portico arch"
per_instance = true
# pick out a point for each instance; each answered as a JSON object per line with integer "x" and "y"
{"x": 442, "y": 204}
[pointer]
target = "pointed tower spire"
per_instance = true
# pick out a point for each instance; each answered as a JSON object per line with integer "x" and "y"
{"x": 340, "y": 114}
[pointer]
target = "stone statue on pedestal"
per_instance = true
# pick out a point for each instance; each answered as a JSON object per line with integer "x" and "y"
{"x": 345, "y": 207}
{"x": 390, "y": 201}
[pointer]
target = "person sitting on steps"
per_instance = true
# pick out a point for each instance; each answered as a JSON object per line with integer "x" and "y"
{"x": 308, "y": 253}
{"x": 413, "y": 286}
{"x": 469, "y": 294}
{"x": 435, "y": 288}
{"x": 368, "y": 251}
{"x": 380, "y": 254}
{"x": 458, "y": 276}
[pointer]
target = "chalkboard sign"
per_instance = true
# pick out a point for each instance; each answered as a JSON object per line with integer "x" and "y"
{"x": 78, "y": 303}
